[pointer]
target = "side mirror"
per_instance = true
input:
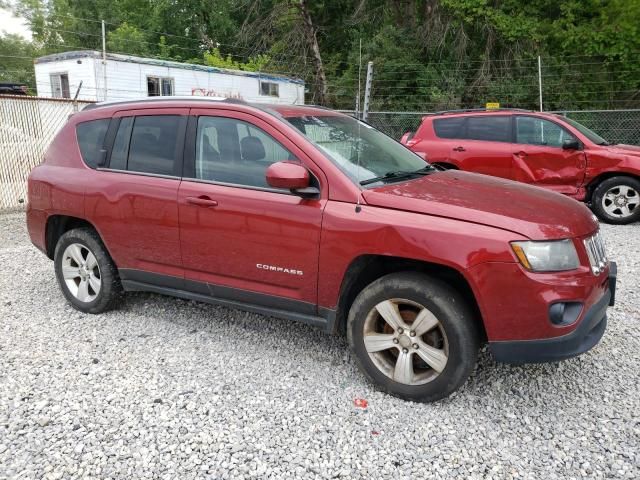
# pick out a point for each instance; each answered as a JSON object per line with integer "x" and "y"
{"x": 292, "y": 176}
{"x": 406, "y": 137}
{"x": 571, "y": 144}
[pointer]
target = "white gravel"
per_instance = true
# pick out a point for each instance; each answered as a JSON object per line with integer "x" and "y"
{"x": 165, "y": 388}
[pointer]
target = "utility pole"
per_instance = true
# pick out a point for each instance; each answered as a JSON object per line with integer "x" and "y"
{"x": 104, "y": 60}
{"x": 367, "y": 91}
{"x": 540, "y": 80}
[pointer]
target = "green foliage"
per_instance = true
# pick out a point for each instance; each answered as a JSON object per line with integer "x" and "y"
{"x": 129, "y": 39}
{"x": 427, "y": 54}
{"x": 16, "y": 64}
{"x": 214, "y": 58}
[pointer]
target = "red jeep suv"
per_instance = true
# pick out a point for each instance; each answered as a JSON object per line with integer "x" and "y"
{"x": 542, "y": 149}
{"x": 306, "y": 214}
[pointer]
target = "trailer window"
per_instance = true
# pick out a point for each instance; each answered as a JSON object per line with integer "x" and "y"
{"x": 159, "y": 86}
{"x": 269, "y": 89}
{"x": 60, "y": 85}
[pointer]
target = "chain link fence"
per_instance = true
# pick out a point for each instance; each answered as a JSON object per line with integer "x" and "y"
{"x": 27, "y": 126}
{"x": 615, "y": 126}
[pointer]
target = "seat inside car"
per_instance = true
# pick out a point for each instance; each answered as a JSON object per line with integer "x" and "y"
{"x": 252, "y": 149}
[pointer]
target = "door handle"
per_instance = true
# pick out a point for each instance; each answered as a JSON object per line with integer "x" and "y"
{"x": 458, "y": 149}
{"x": 202, "y": 201}
{"x": 520, "y": 153}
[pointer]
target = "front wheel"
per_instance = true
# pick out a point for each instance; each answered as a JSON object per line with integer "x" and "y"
{"x": 616, "y": 200}
{"x": 413, "y": 336}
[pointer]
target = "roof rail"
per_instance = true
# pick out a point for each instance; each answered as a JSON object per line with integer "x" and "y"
{"x": 321, "y": 107}
{"x": 470, "y": 110}
{"x": 164, "y": 99}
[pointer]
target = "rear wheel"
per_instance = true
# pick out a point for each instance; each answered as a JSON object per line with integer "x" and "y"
{"x": 413, "y": 336}
{"x": 617, "y": 200}
{"x": 85, "y": 272}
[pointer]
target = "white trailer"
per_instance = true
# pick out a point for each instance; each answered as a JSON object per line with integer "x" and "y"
{"x": 124, "y": 76}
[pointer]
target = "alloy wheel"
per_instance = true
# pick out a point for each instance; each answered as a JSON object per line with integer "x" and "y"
{"x": 406, "y": 341}
{"x": 620, "y": 201}
{"x": 81, "y": 272}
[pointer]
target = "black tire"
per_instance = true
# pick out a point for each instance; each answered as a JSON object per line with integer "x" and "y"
{"x": 110, "y": 287}
{"x": 451, "y": 311}
{"x": 599, "y": 201}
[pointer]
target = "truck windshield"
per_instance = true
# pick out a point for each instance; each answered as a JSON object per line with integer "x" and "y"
{"x": 363, "y": 153}
{"x": 590, "y": 134}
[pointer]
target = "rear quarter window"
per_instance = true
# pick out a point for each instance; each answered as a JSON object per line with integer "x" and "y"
{"x": 91, "y": 140}
{"x": 449, "y": 127}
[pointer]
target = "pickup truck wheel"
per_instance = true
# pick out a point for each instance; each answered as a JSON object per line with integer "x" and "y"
{"x": 85, "y": 272}
{"x": 413, "y": 336}
{"x": 617, "y": 200}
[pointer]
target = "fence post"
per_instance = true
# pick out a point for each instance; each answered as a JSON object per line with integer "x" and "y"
{"x": 367, "y": 90}
{"x": 104, "y": 60}
{"x": 540, "y": 80}
{"x": 359, "y": 75}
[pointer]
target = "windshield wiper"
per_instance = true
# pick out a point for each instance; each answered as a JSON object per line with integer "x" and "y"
{"x": 394, "y": 174}
{"x": 604, "y": 144}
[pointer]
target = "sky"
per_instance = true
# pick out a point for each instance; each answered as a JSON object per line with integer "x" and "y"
{"x": 11, "y": 24}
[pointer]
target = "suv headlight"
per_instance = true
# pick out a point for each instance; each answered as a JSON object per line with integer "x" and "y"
{"x": 552, "y": 256}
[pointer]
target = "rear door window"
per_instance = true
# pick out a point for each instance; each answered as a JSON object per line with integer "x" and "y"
{"x": 449, "y": 127}
{"x": 91, "y": 136}
{"x": 494, "y": 128}
{"x": 149, "y": 144}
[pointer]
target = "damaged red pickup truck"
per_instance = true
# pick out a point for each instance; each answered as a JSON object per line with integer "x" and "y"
{"x": 543, "y": 149}
{"x": 306, "y": 214}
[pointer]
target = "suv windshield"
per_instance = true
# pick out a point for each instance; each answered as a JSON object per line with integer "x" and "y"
{"x": 590, "y": 134}
{"x": 366, "y": 155}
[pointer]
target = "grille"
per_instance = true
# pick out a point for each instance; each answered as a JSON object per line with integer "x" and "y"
{"x": 597, "y": 253}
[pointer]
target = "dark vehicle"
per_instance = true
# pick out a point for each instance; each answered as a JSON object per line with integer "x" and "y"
{"x": 13, "y": 89}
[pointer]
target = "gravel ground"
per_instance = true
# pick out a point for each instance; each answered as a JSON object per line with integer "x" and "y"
{"x": 165, "y": 388}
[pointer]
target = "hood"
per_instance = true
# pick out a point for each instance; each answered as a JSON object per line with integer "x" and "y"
{"x": 631, "y": 150}
{"x": 530, "y": 211}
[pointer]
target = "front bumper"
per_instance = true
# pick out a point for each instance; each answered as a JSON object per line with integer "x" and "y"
{"x": 582, "y": 339}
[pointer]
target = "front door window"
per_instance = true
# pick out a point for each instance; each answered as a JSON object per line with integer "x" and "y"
{"x": 235, "y": 152}
{"x": 538, "y": 131}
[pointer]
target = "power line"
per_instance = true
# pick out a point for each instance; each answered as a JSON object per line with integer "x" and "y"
{"x": 166, "y": 34}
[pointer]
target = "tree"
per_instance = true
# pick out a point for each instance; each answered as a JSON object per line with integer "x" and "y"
{"x": 287, "y": 29}
{"x": 427, "y": 54}
{"x": 127, "y": 39}
{"x": 16, "y": 60}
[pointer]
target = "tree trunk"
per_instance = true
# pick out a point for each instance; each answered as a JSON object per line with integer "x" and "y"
{"x": 320, "y": 87}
